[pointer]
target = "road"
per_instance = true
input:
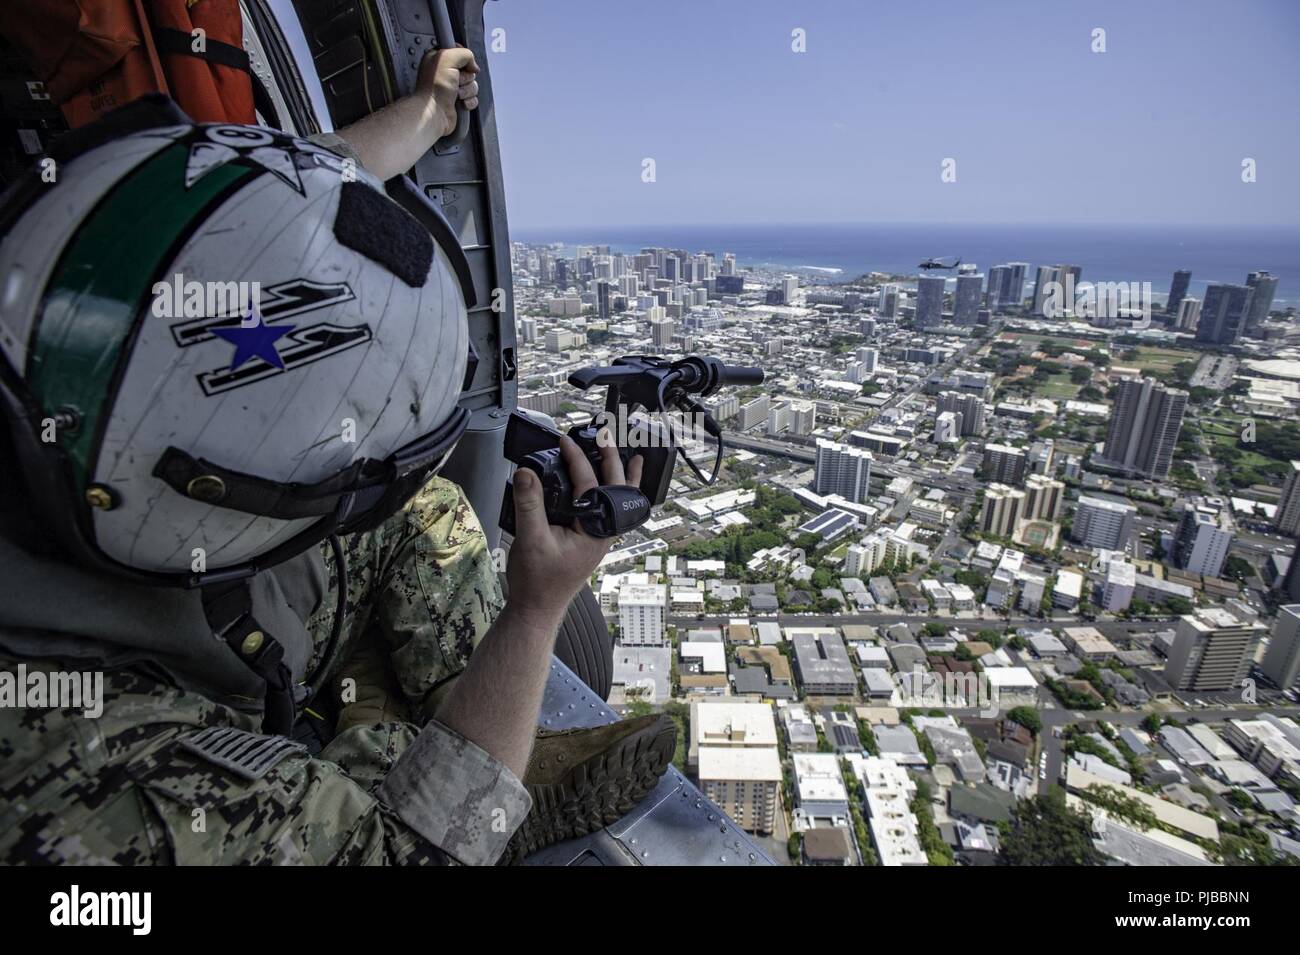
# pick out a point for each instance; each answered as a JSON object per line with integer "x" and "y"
{"x": 1062, "y": 717}
{"x": 1110, "y": 628}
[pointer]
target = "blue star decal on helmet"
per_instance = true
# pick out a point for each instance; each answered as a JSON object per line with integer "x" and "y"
{"x": 254, "y": 339}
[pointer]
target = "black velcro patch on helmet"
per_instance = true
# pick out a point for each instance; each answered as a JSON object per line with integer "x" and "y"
{"x": 370, "y": 223}
{"x": 247, "y": 755}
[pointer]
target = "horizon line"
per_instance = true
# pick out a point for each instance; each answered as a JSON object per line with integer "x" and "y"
{"x": 1285, "y": 226}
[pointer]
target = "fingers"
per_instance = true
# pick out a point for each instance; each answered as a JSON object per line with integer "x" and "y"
{"x": 468, "y": 92}
{"x": 581, "y": 476}
{"x": 530, "y": 509}
{"x": 459, "y": 58}
{"x": 611, "y": 465}
{"x": 634, "y": 468}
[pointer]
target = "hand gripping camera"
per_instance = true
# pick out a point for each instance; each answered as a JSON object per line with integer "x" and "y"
{"x": 638, "y": 387}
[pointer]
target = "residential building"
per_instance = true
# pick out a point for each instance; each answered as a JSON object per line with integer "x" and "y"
{"x": 1224, "y": 312}
{"x": 1264, "y": 287}
{"x": 641, "y": 615}
{"x": 889, "y": 792}
{"x": 1004, "y": 464}
{"x": 969, "y": 409}
{"x": 1103, "y": 523}
{"x": 842, "y": 469}
{"x": 1007, "y": 284}
{"x": 947, "y": 428}
{"x": 1178, "y": 290}
{"x": 1068, "y": 590}
{"x": 1144, "y": 427}
{"x": 1281, "y": 662}
{"x": 727, "y": 725}
{"x": 1002, "y": 509}
{"x": 929, "y": 301}
{"x": 1287, "y": 518}
{"x": 1044, "y": 498}
{"x": 966, "y": 299}
{"x": 743, "y": 783}
{"x": 1212, "y": 650}
{"x": 822, "y": 663}
{"x": 1117, "y": 592}
{"x": 1202, "y": 539}
{"x": 1089, "y": 644}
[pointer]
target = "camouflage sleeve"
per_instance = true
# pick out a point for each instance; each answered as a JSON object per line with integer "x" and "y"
{"x": 388, "y": 794}
{"x": 455, "y": 795}
{"x": 165, "y": 776}
{"x": 441, "y": 592}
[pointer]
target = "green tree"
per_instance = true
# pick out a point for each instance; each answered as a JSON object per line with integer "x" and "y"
{"x": 794, "y": 845}
{"x": 1044, "y": 830}
{"x": 1027, "y": 717}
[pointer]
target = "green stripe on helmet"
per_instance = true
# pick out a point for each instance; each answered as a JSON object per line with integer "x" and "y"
{"x": 103, "y": 285}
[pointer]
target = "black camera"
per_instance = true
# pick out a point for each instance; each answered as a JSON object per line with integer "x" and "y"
{"x": 639, "y": 387}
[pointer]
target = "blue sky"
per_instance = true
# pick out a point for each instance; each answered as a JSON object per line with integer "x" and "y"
{"x": 1043, "y": 130}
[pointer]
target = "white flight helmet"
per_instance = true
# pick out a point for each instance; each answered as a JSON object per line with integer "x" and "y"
{"x": 221, "y": 344}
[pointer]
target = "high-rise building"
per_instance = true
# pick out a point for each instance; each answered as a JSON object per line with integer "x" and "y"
{"x": 1117, "y": 591}
{"x": 1223, "y": 313}
{"x": 728, "y": 264}
{"x": 1046, "y": 275}
{"x": 1003, "y": 508}
{"x": 641, "y": 615}
{"x": 1004, "y": 464}
{"x": 1289, "y": 586}
{"x": 1044, "y": 498}
{"x": 733, "y": 750}
{"x": 968, "y": 407}
{"x": 842, "y": 469}
{"x": 528, "y": 329}
{"x": 1144, "y": 427}
{"x": 602, "y": 300}
{"x": 870, "y": 358}
{"x": 1202, "y": 539}
{"x": 792, "y": 417}
{"x": 1006, "y": 284}
{"x": 1211, "y": 651}
{"x": 966, "y": 301}
{"x": 1067, "y": 277}
{"x": 888, "y": 307}
{"x": 947, "y": 427}
{"x": 662, "y": 332}
{"x": 1041, "y": 454}
{"x": 929, "y": 301}
{"x": 1103, "y": 523}
{"x": 1189, "y": 314}
{"x": 1287, "y": 518}
{"x": 1281, "y": 662}
{"x": 803, "y": 417}
{"x": 752, "y": 413}
{"x": 1178, "y": 290}
{"x": 1265, "y": 286}
{"x": 789, "y": 288}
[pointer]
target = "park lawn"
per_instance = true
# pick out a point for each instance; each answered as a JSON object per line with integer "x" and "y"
{"x": 1058, "y": 387}
{"x": 1036, "y": 341}
{"x": 1160, "y": 361}
{"x": 1218, "y": 435}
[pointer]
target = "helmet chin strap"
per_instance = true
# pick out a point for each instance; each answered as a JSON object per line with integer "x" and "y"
{"x": 228, "y": 607}
{"x": 229, "y": 610}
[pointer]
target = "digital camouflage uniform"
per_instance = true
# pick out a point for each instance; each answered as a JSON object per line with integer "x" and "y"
{"x": 128, "y": 788}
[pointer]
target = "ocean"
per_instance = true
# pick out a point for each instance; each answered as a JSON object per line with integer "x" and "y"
{"x": 1106, "y": 253}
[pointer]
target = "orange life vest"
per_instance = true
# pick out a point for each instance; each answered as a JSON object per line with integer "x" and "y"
{"x": 97, "y": 55}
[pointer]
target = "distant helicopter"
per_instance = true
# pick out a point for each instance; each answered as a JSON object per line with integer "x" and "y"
{"x": 937, "y": 264}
